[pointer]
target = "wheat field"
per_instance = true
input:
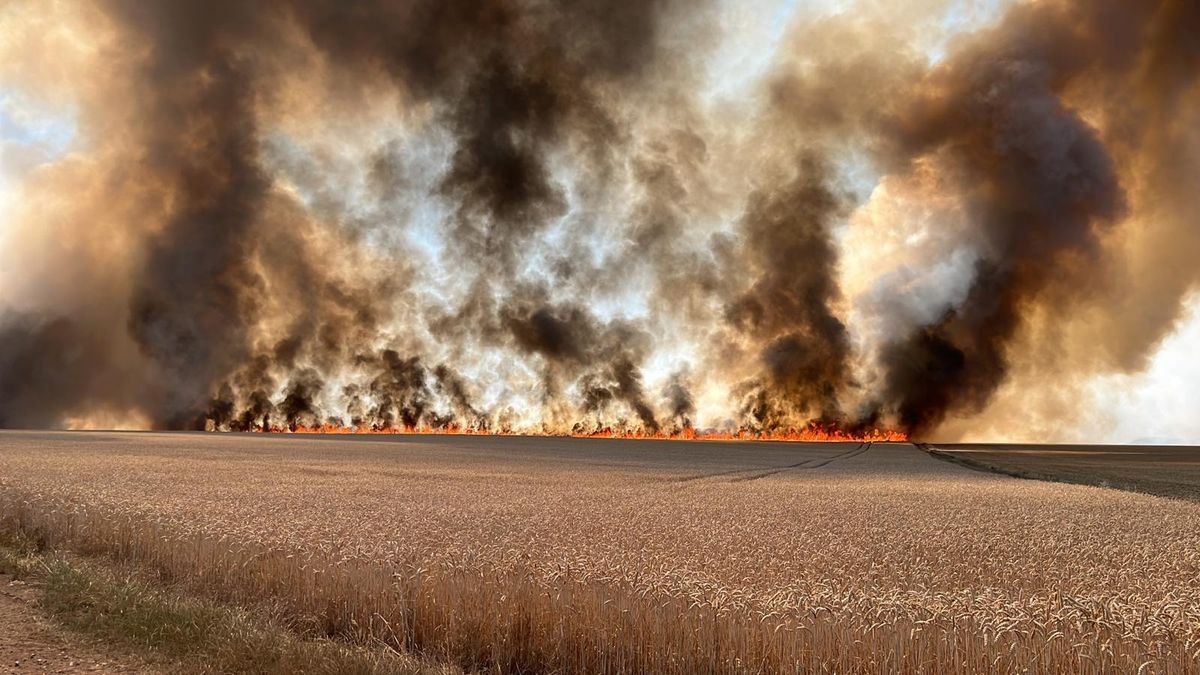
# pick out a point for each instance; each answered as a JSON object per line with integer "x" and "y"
{"x": 518, "y": 554}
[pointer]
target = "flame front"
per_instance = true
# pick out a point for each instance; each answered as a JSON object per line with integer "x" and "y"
{"x": 808, "y": 434}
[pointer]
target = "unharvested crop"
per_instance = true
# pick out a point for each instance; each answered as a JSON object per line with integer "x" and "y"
{"x": 539, "y": 555}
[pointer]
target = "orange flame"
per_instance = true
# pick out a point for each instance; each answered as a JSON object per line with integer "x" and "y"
{"x": 810, "y": 433}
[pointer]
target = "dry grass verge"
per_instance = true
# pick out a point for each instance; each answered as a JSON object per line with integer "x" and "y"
{"x": 185, "y": 634}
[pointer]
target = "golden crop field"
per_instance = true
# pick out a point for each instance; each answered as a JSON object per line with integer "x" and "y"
{"x": 569, "y": 555}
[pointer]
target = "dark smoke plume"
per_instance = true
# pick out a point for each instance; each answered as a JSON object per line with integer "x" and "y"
{"x": 1037, "y": 180}
{"x": 805, "y": 348}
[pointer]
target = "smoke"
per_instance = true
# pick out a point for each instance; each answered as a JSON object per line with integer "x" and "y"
{"x": 680, "y": 406}
{"x": 1037, "y": 182}
{"x": 788, "y": 309}
{"x": 562, "y": 217}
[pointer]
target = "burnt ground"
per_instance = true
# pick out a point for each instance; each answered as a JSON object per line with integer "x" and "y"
{"x": 1165, "y": 471}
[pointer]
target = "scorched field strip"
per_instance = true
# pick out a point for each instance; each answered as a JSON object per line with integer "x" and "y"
{"x": 605, "y": 555}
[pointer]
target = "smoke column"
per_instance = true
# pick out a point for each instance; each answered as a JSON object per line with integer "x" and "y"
{"x": 526, "y": 216}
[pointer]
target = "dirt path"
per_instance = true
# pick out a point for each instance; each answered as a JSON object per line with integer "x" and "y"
{"x": 31, "y": 644}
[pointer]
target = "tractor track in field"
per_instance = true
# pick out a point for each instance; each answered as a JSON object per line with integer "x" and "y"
{"x": 757, "y": 473}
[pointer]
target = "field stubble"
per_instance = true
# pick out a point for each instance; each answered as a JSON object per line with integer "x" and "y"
{"x": 635, "y": 556}
{"x": 1167, "y": 471}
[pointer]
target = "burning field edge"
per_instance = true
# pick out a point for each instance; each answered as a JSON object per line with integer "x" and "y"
{"x": 808, "y": 434}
